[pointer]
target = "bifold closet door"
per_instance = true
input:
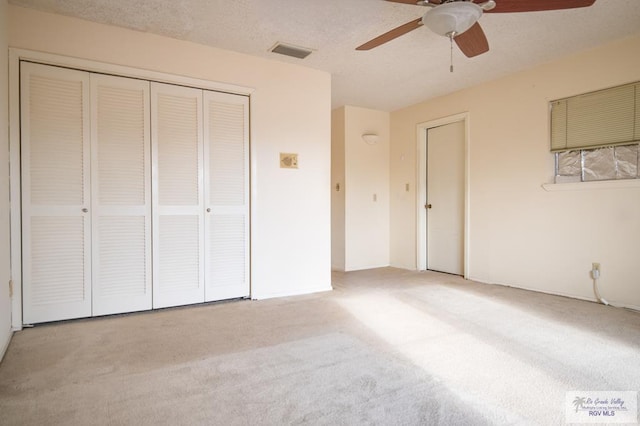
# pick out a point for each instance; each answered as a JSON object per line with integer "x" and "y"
{"x": 178, "y": 210}
{"x": 56, "y": 222}
{"x": 226, "y": 133}
{"x": 121, "y": 194}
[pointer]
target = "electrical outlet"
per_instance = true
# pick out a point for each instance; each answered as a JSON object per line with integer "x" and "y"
{"x": 595, "y": 270}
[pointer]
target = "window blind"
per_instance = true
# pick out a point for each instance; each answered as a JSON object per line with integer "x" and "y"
{"x": 603, "y": 118}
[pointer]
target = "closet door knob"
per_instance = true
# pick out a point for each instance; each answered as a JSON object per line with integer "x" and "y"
{"x": 208, "y": 209}
{"x": 85, "y": 210}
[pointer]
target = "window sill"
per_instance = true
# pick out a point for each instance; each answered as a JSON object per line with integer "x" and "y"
{"x": 583, "y": 186}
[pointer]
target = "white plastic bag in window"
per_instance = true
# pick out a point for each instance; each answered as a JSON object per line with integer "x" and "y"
{"x": 599, "y": 164}
{"x": 626, "y": 161}
{"x": 569, "y": 163}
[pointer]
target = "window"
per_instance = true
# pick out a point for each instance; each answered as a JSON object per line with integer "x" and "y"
{"x": 607, "y": 163}
{"x": 595, "y": 136}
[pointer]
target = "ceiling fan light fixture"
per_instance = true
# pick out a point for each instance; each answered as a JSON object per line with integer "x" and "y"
{"x": 452, "y": 18}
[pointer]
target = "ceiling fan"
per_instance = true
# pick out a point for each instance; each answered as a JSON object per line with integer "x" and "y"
{"x": 458, "y": 19}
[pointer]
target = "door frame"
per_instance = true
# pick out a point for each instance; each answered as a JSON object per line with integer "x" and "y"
{"x": 421, "y": 192}
{"x": 15, "y": 187}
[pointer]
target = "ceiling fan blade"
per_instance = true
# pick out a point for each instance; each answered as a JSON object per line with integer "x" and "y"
{"x": 416, "y": 2}
{"x": 390, "y": 35}
{"x": 509, "y": 6}
{"x": 472, "y": 42}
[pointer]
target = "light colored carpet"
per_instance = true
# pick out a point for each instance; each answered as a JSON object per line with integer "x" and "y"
{"x": 386, "y": 347}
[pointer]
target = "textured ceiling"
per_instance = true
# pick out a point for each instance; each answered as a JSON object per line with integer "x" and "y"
{"x": 402, "y": 72}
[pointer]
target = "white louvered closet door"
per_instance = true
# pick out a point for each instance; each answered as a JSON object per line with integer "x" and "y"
{"x": 226, "y": 129}
{"x": 178, "y": 219}
{"x": 121, "y": 194}
{"x": 56, "y": 224}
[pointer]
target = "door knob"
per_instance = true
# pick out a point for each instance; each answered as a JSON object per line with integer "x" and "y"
{"x": 428, "y": 206}
{"x": 85, "y": 210}
{"x": 208, "y": 209}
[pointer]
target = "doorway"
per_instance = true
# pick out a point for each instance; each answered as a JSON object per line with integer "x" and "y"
{"x": 442, "y": 195}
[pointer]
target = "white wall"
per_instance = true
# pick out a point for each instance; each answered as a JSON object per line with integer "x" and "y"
{"x": 520, "y": 234}
{"x": 365, "y": 187}
{"x": 5, "y": 299}
{"x": 337, "y": 190}
{"x": 290, "y": 112}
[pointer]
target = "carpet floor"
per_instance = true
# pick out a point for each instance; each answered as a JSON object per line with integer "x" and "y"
{"x": 387, "y": 346}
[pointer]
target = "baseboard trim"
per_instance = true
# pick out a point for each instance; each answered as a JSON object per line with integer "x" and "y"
{"x": 291, "y": 293}
{"x": 365, "y": 268}
{"x": 552, "y": 293}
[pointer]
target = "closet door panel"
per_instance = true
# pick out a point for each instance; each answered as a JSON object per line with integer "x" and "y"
{"x": 227, "y": 196}
{"x": 56, "y": 234}
{"x": 121, "y": 194}
{"x": 179, "y": 268}
{"x": 178, "y": 237}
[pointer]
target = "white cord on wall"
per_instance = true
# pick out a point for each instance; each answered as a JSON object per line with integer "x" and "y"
{"x": 595, "y": 274}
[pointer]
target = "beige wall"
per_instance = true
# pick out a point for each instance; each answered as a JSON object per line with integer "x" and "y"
{"x": 365, "y": 189}
{"x": 290, "y": 112}
{"x": 5, "y": 300}
{"x": 520, "y": 234}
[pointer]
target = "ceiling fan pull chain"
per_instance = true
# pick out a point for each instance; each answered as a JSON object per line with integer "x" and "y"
{"x": 451, "y": 34}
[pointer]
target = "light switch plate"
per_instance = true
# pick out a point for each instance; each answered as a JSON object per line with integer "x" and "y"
{"x": 288, "y": 160}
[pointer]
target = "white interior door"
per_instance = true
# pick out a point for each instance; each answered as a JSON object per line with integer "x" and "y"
{"x": 56, "y": 233}
{"x": 226, "y": 131}
{"x": 178, "y": 209}
{"x": 445, "y": 198}
{"x": 121, "y": 194}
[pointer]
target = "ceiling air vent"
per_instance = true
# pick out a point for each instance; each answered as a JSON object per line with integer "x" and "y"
{"x": 289, "y": 50}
